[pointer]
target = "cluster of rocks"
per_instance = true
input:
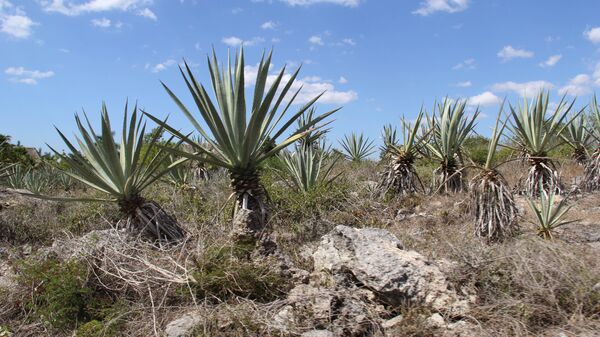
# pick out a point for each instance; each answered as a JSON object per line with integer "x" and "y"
{"x": 360, "y": 279}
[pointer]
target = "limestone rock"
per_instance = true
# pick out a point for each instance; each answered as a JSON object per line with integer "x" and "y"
{"x": 183, "y": 326}
{"x": 375, "y": 259}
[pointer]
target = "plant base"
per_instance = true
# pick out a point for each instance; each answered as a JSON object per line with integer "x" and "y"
{"x": 493, "y": 207}
{"x": 151, "y": 219}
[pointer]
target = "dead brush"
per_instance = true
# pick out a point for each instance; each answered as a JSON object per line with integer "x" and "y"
{"x": 526, "y": 286}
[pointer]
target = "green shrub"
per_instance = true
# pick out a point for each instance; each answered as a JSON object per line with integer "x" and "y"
{"x": 476, "y": 148}
{"x": 63, "y": 297}
{"x": 226, "y": 272}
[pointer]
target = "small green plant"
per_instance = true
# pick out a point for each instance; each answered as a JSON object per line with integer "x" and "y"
{"x": 449, "y": 126}
{"x": 357, "y": 147}
{"x": 389, "y": 135}
{"x": 59, "y": 292}
{"x": 577, "y": 137}
{"x": 400, "y": 176}
{"x": 307, "y": 168}
{"x": 548, "y": 217}
{"x": 227, "y": 272}
{"x": 179, "y": 175}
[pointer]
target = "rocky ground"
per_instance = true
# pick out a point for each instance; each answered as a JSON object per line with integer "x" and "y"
{"x": 350, "y": 266}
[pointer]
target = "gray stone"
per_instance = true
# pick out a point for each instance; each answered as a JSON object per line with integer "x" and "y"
{"x": 183, "y": 326}
{"x": 317, "y": 333}
{"x": 375, "y": 259}
{"x": 436, "y": 321}
{"x": 392, "y": 322}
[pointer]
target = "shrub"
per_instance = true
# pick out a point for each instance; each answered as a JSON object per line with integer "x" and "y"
{"x": 227, "y": 272}
{"x": 63, "y": 297}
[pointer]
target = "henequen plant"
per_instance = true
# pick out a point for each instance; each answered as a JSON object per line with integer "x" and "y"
{"x": 591, "y": 179}
{"x": 234, "y": 141}
{"x": 313, "y": 137}
{"x": 576, "y": 135}
{"x": 492, "y": 201}
{"x": 400, "y": 176}
{"x": 357, "y": 147}
{"x": 389, "y": 135}
{"x": 548, "y": 217}
{"x": 122, "y": 172}
{"x": 449, "y": 126}
{"x": 536, "y": 134}
{"x": 308, "y": 167}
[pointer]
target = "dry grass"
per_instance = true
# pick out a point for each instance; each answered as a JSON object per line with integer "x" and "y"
{"x": 524, "y": 286}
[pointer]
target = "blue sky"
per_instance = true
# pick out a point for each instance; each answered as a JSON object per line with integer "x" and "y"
{"x": 379, "y": 59}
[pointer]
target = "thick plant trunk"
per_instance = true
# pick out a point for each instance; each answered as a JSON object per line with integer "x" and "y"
{"x": 493, "y": 207}
{"x": 251, "y": 213}
{"x": 591, "y": 178}
{"x": 542, "y": 175}
{"x": 149, "y": 218}
{"x": 580, "y": 156}
{"x": 450, "y": 178}
{"x": 398, "y": 179}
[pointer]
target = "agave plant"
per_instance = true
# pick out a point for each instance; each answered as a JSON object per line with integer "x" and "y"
{"x": 492, "y": 201}
{"x": 16, "y": 176}
{"x": 400, "y": 177}
{"x": 548, "y": 217}
{"x": 449, "y": 128}
{"x": 179, "y": 175}
{"x": 591, "y": 178}
{"x": 576, "y": 135}
{"x": 308, "y": 168}
{"x": 389, "y": 134}
{"x": 122, "y": 172}
{"x": 536, "y": 133}
{"x": 313, "y": 137}
{"x": 357, "y": 147}
{"x": 236, "y": 139}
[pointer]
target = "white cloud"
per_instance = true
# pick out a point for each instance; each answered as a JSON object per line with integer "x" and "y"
{"x": 464, "y": 84}
{"x": 593, "y": 34}
{"x": 16, "y": 24}
{"x": 234, "y": 41}
{"x": 311, "y": 87}
{"x": 578, "y": 86}
{"x": 317, "y": 40}
{"x": 26, "y": 76}
{"x": 92, "y": 6}
{"x": 163, "y": 66}
{"x": 528, "y": 89}
{"x": 342, "y": 80}
{"x": 449, "y": 6}
{"x": 349, "y": 42}
{"x": 551, "y": 61}
{"x": 102, "y": 23}
{"x": 466, "y": 64}
{"x": 147, "y": 13}
{"x": 237, "y": 10}
{"x": 268, "y": 25}
{"x": 508, "y": 53}
{"x": 484, "y": 99}
{"x": 345, "y": 3}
